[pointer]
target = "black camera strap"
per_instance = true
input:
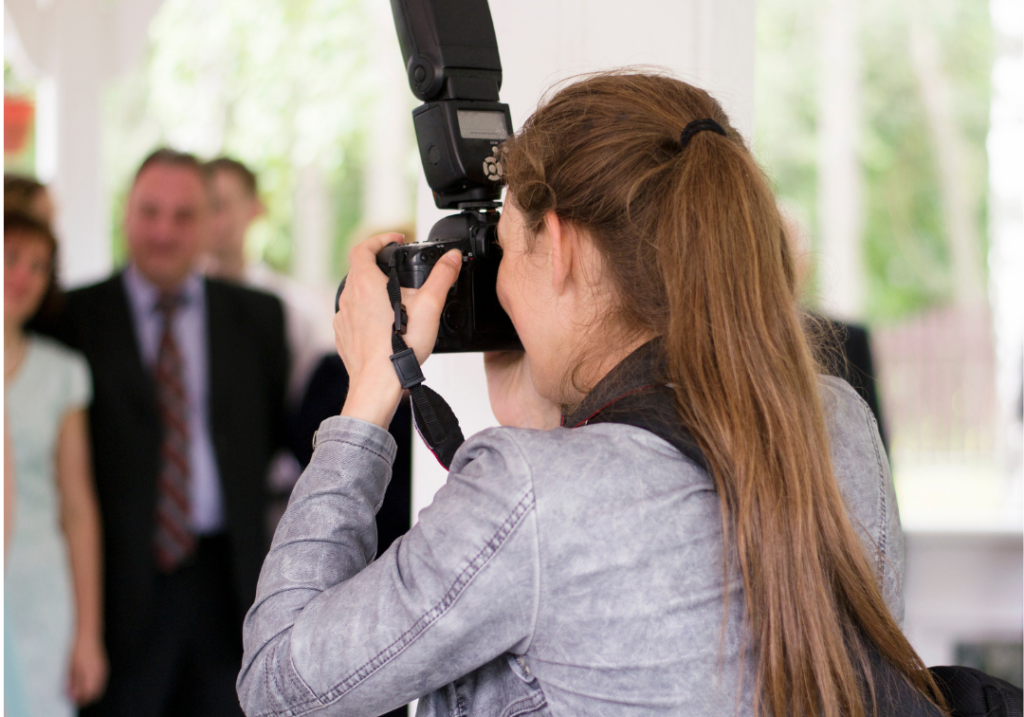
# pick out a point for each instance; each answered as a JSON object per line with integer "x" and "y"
{"x": 432, "y": 416}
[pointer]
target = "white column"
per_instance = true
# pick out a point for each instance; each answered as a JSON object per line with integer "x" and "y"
{"x": 76, "y": 45}
{"x": 312, "y": 224}
{"x": 707, "y": 42}
{"x": 1006, "y": 227}
{"x": 840, "y": 264}
{"x": 83, "y": 219}
{"x": 387, "y": 185}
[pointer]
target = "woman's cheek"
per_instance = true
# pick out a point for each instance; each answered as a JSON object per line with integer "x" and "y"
{"x": 37, "y": 291}
{"x": 501, "y": 284}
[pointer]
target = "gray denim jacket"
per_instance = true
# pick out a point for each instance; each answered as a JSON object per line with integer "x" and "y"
{"x": 563, "y": 572}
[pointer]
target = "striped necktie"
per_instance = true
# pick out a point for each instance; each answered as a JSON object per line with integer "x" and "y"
{"x": 174, "y": 540}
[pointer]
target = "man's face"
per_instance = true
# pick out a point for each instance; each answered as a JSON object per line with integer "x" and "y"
{"x": 234, "y": 209}
{"x": 166, "y": 223}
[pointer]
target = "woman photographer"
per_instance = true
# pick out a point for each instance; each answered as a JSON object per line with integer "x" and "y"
{"x": 711, "y": 531}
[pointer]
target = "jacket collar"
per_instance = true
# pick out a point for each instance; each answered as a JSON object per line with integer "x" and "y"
{"x": 635, "y": 373}
{"x": 635, "y": 393}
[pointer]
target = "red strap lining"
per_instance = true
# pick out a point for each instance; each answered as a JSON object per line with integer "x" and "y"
{"x": 617, "y": 398}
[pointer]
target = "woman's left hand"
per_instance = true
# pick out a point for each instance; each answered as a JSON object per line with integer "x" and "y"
{"x": 363, "y": 326}
{"x": 87, "y": 673}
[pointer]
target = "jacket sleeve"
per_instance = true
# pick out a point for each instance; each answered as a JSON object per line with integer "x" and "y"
{"x": 862, "y": 471}
{"x": 332, "y": 631}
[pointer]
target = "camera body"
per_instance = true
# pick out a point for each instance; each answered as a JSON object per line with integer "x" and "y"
{"x": 472, "y": 319}
{"x": 451, "y": 58}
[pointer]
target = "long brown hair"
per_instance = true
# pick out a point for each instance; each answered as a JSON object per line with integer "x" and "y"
{"x": 694, "y": 244}
{"x": 20, "y": 192}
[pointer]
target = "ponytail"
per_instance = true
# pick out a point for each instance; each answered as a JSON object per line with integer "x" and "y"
{"x": 694, "y": 243}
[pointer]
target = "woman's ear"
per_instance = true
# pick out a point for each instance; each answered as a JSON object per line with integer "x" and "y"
{"x": 562, "y": 250}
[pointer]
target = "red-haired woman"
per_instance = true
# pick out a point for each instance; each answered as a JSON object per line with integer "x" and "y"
{"x": 679, "y": 516}
{"x": 52, "y": 588}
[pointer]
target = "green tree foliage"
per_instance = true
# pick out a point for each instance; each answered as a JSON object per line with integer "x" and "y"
{"x": 905, "y": 248}
{"x": 905, "y": 240}
{"x": 786, "y": 103}
{"x": 278, "y": 84}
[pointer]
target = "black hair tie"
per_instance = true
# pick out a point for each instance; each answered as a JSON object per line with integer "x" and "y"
{"x": 699, "y": 126}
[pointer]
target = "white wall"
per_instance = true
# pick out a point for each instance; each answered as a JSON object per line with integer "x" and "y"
{"x": 707, "y": 42}
{"x": 965, "y": 587}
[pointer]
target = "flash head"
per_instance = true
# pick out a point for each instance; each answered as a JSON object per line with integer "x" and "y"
{"x": 452, "y": 63}
{"x": 449, "y": 48}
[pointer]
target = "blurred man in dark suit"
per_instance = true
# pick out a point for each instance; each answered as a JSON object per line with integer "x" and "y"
{"x": 189, "y": 375}
{"x": 843, "y": 349}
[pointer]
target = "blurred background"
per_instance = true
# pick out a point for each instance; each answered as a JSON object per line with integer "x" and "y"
{"x": 893, "y": 134}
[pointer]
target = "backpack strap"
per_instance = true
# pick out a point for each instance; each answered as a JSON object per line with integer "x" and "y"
{"x": 635, "y": 393}
{"x": 652, "y": 408}
{"x": 972, "y": 693}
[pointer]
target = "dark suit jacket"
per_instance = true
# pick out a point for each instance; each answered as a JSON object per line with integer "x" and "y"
{"x": 325, "y": 397}
{"x": 248, "y": 368}
{"x": 845, "y": 351}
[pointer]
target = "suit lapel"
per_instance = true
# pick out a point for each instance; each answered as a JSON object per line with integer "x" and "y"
{"x": 123, "y": 349}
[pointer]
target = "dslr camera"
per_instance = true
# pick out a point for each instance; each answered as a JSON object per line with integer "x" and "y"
{"x": 451, "y": 57}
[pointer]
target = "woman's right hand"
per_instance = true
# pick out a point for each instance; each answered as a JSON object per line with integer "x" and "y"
{"x": 514, "y": 400}
{"x": 363, "y": 327}
{"x": 88, "y": 670}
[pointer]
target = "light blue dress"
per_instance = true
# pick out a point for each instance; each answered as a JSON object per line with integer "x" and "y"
{"x": 38, "y": 595}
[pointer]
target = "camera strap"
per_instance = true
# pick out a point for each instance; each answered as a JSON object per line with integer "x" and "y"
{"x": 432, "y": 416}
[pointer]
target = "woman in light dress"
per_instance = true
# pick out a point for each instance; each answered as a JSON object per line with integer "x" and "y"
{"x": 52, "y": 590}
